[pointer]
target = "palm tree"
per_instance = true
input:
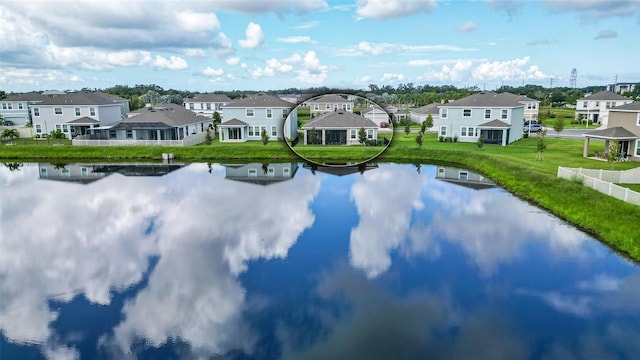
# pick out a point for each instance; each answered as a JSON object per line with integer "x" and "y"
{"x": 10, "y": 134}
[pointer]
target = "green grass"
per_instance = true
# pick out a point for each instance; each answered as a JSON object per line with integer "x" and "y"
{"x": 513, "y": 167}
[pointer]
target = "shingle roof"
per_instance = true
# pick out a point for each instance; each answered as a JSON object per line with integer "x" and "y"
{"x": 84, "y": 120}
{"x": 604, "y": 95}
{"x": 486, "y": 98}
{"x": 372, "y": 108}
{"x": 169, "y": 114}
{"x": 233, "y": 122}
{"x": 81, "y": 98}
{"x": 329, "y": 98}
{"x": 617, "y": 132}
{"x": 259, "y": 100}
{"x": 520, "y": 97}
{"x": 495, "y": 124}
{"x": 634, "y": 106}
{"x": 339, "y": 119}
{"x": 427, "y": 109}
{"x": 30, "y": 96}
{"x": 209, "y": 98}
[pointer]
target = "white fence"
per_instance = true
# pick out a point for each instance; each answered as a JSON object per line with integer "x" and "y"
{"x": 193, "y": 139}
{"x": 603, "y": 181}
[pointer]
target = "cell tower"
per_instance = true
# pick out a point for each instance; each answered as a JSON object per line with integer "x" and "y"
{"x": 574, "y": 77}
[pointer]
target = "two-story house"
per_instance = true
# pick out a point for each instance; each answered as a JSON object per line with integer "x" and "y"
{"x": 596, "y": 107}
{"x": 244, "y": 119}
{"x": 418, "y": 115}
{"x": 623, "y": 126}
{"x": 77, "y": 113}
{"x": 15, "y": 108}
{"x": 207, "y": 104}
{"x": 531, "y": 106}
{"x": 495, "y": 117}
{"x": 329, "y": 102}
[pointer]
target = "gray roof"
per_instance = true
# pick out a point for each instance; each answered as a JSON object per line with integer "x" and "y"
{"x": 372, "y": 108}
{"x": 612, "y": 133}
{"x": 634, "y": 106}
{"x": 171, "y": 115}
{"x": 81, "y": 98}
{"x": 30, "y": 96}
{"x": 84, "y": 120}
{"x": 604, "y": 95}
{"x": 486, "y": 98}
{"x": 495, "y": 124}
{"x": 339, "y": 119}
{"x": 524, "y": 98}
{"x": 209, "y": 98}
{"x": 427, "y": 109}
{"x": 329, "y": 98}
{"x": 259, "y": 100}
{"x": 233, "y": 122}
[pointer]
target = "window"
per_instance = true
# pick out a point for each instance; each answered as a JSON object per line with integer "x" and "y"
{"x": 638, "y": 120}
{"x": 443, "y": 113}
{"x": 348, "y": 107}
{"x": 370, "y": 134}
{"x": 584, "y": 104}
{"x": 190, "y": 106}
{"x": 201, "y": 106}
{"x": 65, "y": 172}
{"x": 208, "y": 106}
{"x": 274, "y": 131}
{"x": 353, "y": 134}
{"x": 441, "y": 171}
{"x": 129, "y": 134}
{"x": 57, "y": 111}
{"x": 638, "y": 147}
{"x": 328, "y": 107}
{"x": 36, "y": 111}
{"x": 597, "y": 103}
{"x": 443, "y": 131}
{"x": 249, "y": 112}
{"x": 269, "y": 113}
{"x": 65, "y": 128}
{"x": 58, "y": 127}
{"x": 10, "y": 106}
{"x": 466, "y": 113}
{"x": 271, "y": 172}
{"x": 112, "y": 134}
{"x": 77, "y": 111}
{"x": 466, "y": 131}
{"x": 504, "y": 114}
{"x": 463, "y": 175}
{"x": 531, "y": 106}
{"x": 286, "y": 171}
{"x": 84, "y": 171}
{"x": 250, "y": 130}
{"x": 20, "y": 106}
{"x": 92, "y": 111}
{"x": 4, "y": 106}
{"x": 43, "y": 172}
{"x": 38, "y": 129}
{"x": 252, "y": 172}
{"x": 487, "y": 113}
{"x": 285, "y": 112}
{"x": 315, "y": 107}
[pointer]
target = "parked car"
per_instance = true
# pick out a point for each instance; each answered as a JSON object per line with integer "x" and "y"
{"x": 532, "y": 121}
{"x": 533, "y": 127}
{"x": 8, "y": 123}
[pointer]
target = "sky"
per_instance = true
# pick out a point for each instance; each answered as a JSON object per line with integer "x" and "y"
{"x": 225, "y": 45}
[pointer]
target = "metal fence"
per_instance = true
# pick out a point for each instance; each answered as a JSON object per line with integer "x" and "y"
{"x": 193, "y": 139}
{"x": 603, "y": 181}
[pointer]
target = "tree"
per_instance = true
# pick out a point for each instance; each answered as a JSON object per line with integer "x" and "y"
{"x": 407, "y": 129}
{"x": 540, "y": 145}
{"x": 264, "y": 136}
{"x": 313, "y": 137}
{"x": 558, "y": 125}
{"x": 150, "y": 97}
{"x": 428, "y": 122}
{"x": 57, "y": 135}
{"x": 419, "y": 140}
{"x": 13, "y": 166}
{"x": 614, "y": 152}
{"x": 362, "y": 136}
{"x": 480, "y": 142}
{"x": 10, "y": 134}
{"x": 208, "y": 139}
{"x": 217, "y": 119}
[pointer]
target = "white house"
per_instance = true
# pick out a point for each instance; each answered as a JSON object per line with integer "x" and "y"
{"x": 495, "y": 117}
{"x": 329, "y": 102}
{"x": 622, "y": 87}
{"x": 418, "y": 115}
{"x": 339, "y": 128}
{"x": 596, "y": 106}
{"x": 76, "y": 113}
{"x": 245, "y": 118}
{"x": 376, "y": 114}
{"x": 206, "y": 104}
{"x": 531, "y": 106}
{"x": 16, "y": 108}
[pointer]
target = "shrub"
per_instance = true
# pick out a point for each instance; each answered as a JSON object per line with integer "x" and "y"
{"x": 455, "y": 138}
{"x": 441, "y": 138}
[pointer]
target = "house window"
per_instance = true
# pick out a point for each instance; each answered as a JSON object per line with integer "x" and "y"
{"x": 10, "y": 106}
{"x": 466, "y": 131}
{"x": 250, "y": 130}
{"x": 597, "y": 103}
{"x": 463, "y": 175}
{"x": 252, "y": 172}
{"x": 285, "y": 112}
{"x": 38, "y": 129}
{"x": 58, "y": 127}
{"x": 443, "y": 131}
{"x": 441, "y": 171}
{"x": 352, "y": 134}
{"x": 638, "y": 147}
{"x": 36, "y": 111}
{"x": 328, "y": 106}
{"x": 584, "y": 104}
{"x": 20, "y": 106}
{"x": 112, "y": 134}
{"x": 249, "y": 112}
{"x": 466, "y": 113}
{"x": 43, "y": 172}
{"x": 348, "y": 107}
{"x": 4, "y": 106}
{"x": 316, "y": 107}
{"x": 370, "y": 134}
{"x": 77, "y": 111}
{"x": 443, "y": 113}
{"x": 57, "y": 111}
{"x": 638, "y": 120}
{"x": 92, "y": 111}
{"x": 271, "y": 172}
{"x": 487, "y": 113}
{"x": 129, "y": 134}
{"x": 504, "y": 114}
{"x": 286, "y": 171}
{"x": 208, "y": 106}
{"x": 190, "y": 106}
{"x": 269, "y": 113}
{"x": 65, "y": 128}
{"x": 274, "y": 131}
{"x": 65, "y": 172}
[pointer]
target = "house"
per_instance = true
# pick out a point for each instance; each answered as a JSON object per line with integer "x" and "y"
{"x": 531, "y": 106}
{"x": 339, "y": 128}
{"x": 76, "y": 113}
{"x": 327, "y": 103}
{"x": 596, "y": 107}
{"x": 495, "y": 117}
{"x": 261, "y": 174}
{"x": 418, "y": 115}
{"x": 244, "y": 119}
{"x": 162, "y": 124}
{"x": 376, "y": 114}
{"x": 622, "y": 87}
{"x": 623, "y": 126}
{"x": 16, "y": 108}
{"x": 207, "y": 104}
{"x": 88, "y": 173}
{"x": 464, "y": 178}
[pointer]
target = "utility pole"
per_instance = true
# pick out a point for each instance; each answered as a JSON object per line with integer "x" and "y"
{"x": 574, "y": 78}
{"x": 550, "y": 83}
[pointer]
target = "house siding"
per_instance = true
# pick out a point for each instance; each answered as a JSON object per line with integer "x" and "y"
{"x": 259, "y": 118}
{"x": 11, "y": 111}
{"x": 105, "y": 114}
{"x": 629, "y": 121}
{"x": 455, "y": 121}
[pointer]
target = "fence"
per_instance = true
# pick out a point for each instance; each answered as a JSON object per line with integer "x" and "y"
{"x": 193, "y": 139}
{"x": 603, "y": 181}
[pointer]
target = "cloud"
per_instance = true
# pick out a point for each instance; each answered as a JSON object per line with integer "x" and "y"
{"x": 233, "y": 61}
{"x": 390, "y": 77}
{"x": 279, "y": 7}
{"x": 542, "y": 42}
{"x": 307, "y": 25}
{"x": 34, "y": 78}
{"x": 386, "y": 9}
{"x": 367, "y": 48}
{"x": 173, "y": 63}
{"x": 467, "y": 27}
{"x": 197, "y": 22}
{"x": 515, "y": 69}
{"x": 294, "y": 39}
{"x": 255, "y": 36}
{"x": 510, "y": 7}
{"x": 596, "y": 9}
{"x": 208, "y": 71}
{"x": 606, "y": 34}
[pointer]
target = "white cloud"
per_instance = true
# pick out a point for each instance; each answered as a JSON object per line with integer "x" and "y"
{"x": 313, "y": 72}
{"x": 467, "y": 27}
{"x": 95, "y": 59}
{"x": 255, "y": 36}
{"x": 173, "y": 63}
{"x": 208, "y": 71}
{"x": 515, "y": 69}
{"x": 386, "y": 9}
{"x": 307, "y": 25}
{"x": 31, "y": 78}
{"x": 606, "y": 34}
{"x": 280, "y": 6}
{"x": 365, "y": 79}
{"x": 367, "y": 48}
{"x": 223, "y": 46}
{"x": 510, "y": 7}
{"x": 233, "y": 61}
{"x": 197, "y": 22}
{"x": 294, "y": 39}
{"x": 193, "y": 52}
{"x": 389, "y": 77}
{"x": 596, "y": 9}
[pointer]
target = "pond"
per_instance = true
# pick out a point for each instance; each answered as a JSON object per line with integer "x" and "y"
{"x": 270, "y": 261}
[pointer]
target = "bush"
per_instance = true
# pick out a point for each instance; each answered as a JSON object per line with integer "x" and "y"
{"x": 455, "y": 138}
{"x": 525, "y": 135}
{"x": 441, "y": 138}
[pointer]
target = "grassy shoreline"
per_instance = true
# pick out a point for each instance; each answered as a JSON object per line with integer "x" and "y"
{"x": 514, "y": 168}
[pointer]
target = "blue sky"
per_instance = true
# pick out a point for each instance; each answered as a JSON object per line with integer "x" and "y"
{"x": 261, "y": 45}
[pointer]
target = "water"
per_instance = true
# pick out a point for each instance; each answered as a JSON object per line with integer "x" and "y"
{"x": 284, "y": 261}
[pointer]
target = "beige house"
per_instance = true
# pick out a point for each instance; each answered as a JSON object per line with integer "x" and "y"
{"x": 329, "y": 102}
{"x": 624, "y": 126}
